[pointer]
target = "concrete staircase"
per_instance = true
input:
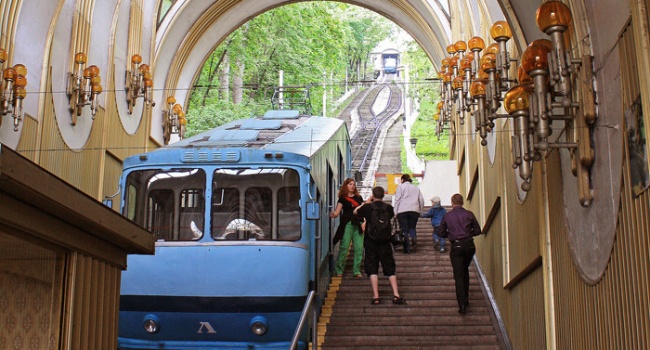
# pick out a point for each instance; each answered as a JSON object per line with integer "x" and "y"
{"x": 429, "y": 320}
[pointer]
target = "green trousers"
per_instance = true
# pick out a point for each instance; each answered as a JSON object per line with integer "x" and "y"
{"x": 351, "y": 233}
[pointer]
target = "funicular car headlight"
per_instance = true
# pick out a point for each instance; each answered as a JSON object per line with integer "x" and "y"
{"x": 259, "y": 325}
{"x": 151, "y": 324}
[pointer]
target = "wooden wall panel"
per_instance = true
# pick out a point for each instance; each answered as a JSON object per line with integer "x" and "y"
{"x": 28, "y": 143}
{"x": 72, "y": 166}
{"x": 93, "y": 310}
{"x": 527, "y": 316}
{"x": 612, "y": 314}
{"x": 522, "y": 219}
{"x": 112, "y": 172}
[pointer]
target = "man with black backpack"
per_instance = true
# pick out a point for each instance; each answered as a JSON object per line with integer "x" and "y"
{"x": 377, "y": 243}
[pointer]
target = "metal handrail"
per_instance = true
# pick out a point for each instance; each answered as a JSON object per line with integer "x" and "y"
{"x": 302, "y": 321}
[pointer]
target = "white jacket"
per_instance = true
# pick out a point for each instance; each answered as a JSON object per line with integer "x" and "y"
{"x": 408, "y": 198}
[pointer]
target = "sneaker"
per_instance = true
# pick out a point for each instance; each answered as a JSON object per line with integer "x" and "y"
{"x": 436, "y": 245}
{"x": 442, "y": 249}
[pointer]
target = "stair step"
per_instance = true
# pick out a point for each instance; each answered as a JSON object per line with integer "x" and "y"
{"x": 429, "y": 320}
{"x": 435, "y": 339}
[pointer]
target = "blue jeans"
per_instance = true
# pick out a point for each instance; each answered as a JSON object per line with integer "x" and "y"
{"x": 407, "y": 222}
{"x": 436, "y": 238}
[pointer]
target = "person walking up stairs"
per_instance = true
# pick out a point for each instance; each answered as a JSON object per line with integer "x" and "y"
{"x": 430, "y": 319}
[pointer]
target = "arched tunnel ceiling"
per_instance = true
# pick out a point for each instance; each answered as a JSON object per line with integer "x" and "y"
{"x": 192, "y": 29}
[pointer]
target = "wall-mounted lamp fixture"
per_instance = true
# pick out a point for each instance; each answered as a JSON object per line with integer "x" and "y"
{"x": 500, "y": 32}
{"x": 174, "y": 120}
{"x": 552, "y": 87}
{"x": 84, "y": 84}
{"x": 138, "y": 83}
{"x": 12, "y": 89}
{"x": 517, "y": 104}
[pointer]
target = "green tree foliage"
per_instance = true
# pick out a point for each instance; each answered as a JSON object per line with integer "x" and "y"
{"x": 306, "y": 41}
{"x": 429, "y": 145}
{"x": 426, "y": 92}
{"x": 423, "y": 89}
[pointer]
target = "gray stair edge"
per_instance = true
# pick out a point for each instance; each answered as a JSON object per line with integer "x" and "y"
{"x": 493, "y": 309}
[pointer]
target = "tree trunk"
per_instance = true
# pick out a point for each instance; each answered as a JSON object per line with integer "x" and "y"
{"x": 238, "y": 82}
{"x": 224, "y": 79}
{"x": 213, "y": 74}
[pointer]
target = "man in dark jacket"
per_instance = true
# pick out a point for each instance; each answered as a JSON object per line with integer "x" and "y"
{"x": 378, "y": 251}
{"x": 460, "y": 226}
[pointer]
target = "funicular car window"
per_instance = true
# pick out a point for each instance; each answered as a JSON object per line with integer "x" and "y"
{"x": 160, "y": 214}
{"x": 225, "y": 209}
{"x": 174, "y": 205}
{"x": 191, "y": 211}
{"x": 259, "y": 204}
{"x": 289, "y": 213}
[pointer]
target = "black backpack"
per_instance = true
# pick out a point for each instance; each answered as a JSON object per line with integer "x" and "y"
{"x": 379, "y": 226}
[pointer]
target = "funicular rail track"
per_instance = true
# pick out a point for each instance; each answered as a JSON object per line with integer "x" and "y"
{"x": 365, "y": 139}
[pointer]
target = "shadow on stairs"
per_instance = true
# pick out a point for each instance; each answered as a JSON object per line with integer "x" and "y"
{"x": 429, "y": 320}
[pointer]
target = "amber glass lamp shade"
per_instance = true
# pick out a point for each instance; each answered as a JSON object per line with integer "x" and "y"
{"x": 451, "y": 49}
{"x": 476, "y": 44}
{"x": 440, "y": 105}
{"x": 488, "y": 62}
{"x": 457, "y": 84}
{"x": 143, "y": 69}
{"x": 136, "y": 59}
{"x": 21, "y": 69}
{"x": 500, "y": 31}
{"x": 20, "y": 82}
{"x": 181, "y": 118}
{"x": 552, "y": 14}
{"x": 447, "y": 78}
{"x": 535, "y": 57}
{"x": 9, "y": 74}
{"x": 171, "y": 100}
{"x": 436, "y": 116}
{"x": 460, "y": 46}
{"x": 516, "y": 99}
{"x": 91, "y": 72}
{"x": 453, "y": 62}
{"x": 445, "y": 62}
{"x": 3, "y": 55}
{"x": 80, "y": 58}
{"x": 493, "y": 48}
{"x": 522, "y": 77}
{"x": 20, "y": 93}
{"x": 482, "y": 75}
{"x": 477, "y": 88}
{"x": 96, "y": 88}
{"x": 177, "y": 108}
{"x": 466, "y": 63}
{"x": 543, "y": 42}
